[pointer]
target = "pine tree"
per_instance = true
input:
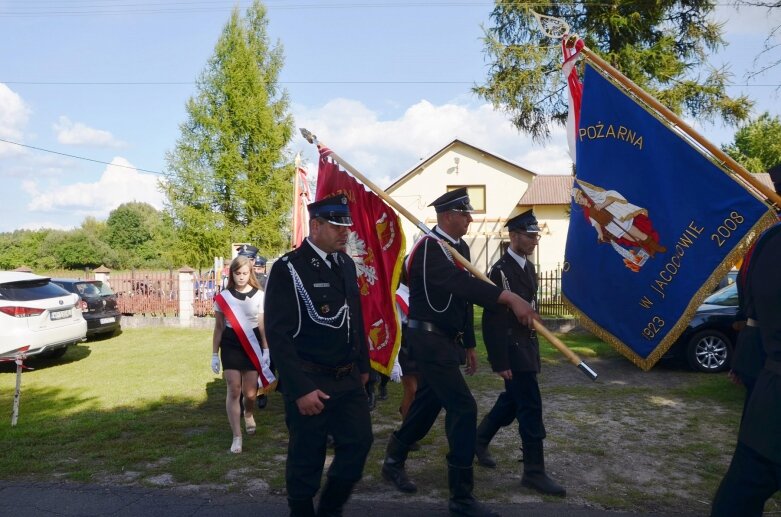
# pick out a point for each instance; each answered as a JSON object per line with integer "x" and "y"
{"x": 660, "y": 45}
{"x": 229, "y": 177}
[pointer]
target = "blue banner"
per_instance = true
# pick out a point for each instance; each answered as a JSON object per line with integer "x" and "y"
{"x": 654, "y": 224}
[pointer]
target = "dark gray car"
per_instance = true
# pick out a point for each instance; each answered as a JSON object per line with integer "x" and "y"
{"x": 98, "y": 304}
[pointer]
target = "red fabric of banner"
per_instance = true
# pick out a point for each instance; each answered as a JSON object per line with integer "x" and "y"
{"x": 376, "y": 244}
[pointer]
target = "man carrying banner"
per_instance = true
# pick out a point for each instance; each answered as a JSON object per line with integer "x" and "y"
{"x": 514, "y": 354}
{"x": 754, "y": 474}
{"x": 318, "y": 343}
{"x": 440, "y": 327}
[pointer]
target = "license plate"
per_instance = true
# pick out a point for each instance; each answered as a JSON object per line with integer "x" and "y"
{"x": 103, "y": 321}
{"x": 60, "y": 315}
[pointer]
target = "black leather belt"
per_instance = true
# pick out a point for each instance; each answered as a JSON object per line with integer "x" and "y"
{"x": 338, "y": 372}
{"x": 427, "y": 326}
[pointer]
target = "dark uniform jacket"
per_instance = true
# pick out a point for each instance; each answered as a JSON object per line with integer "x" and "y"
{"x": 510, "y": 345}
{"x": 442, "y": 292}
{"x": 294, "y": 336}
{"x": 761, "y": 425}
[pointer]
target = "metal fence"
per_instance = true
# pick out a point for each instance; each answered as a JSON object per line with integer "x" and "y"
{"x": 147, "y": 293}
{"x": 549, "y": 302}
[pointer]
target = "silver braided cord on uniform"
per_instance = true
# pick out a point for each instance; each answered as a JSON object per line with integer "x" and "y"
{"x": 425, "y": 285}
{"x": 343, "y": 312}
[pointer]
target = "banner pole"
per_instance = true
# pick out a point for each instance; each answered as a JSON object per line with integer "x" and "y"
{"x": 539, "y": 327}
{"x": 674, "y": 119}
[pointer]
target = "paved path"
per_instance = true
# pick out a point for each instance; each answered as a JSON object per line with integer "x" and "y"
{"x": 72, "y": 499}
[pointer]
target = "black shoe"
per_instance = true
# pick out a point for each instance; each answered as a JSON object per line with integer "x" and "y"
{"x": 371, "y": 399}
{"x": 262, "y": 401}
{"x": 540, "y": 482}
{"x": 470, "y": 508}
{"x": 383, "y": 395}
{"x": 398, "y": 476}
{"x": 484, "y": 457}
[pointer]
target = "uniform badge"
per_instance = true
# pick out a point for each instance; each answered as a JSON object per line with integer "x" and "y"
{"x": 321, "y": 284}
{"x": 315, "y": 262}
{"x": 325, "y": 309}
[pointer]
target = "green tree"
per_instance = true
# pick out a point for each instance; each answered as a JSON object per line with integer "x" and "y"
{"x": 229, "y": 178}
{"x": 757, "y": 145}
{"x": 77, "y": 249}
{"x": 659, "y": 45}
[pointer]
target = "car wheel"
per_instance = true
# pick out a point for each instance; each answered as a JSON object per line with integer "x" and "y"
{"x": 709, "y": 351}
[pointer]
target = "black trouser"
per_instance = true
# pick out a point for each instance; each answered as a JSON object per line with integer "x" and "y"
{"x": 521, "y": 401}
{"x": 749, "y": 482}
{"x": 346, "y": 418}
{"x": 441, "y": 385}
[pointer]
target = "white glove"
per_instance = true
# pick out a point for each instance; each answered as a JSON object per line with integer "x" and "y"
{"x": 215, "y": 363}
{"x": 265, "y": 357}
{"x": 396, "y": 373}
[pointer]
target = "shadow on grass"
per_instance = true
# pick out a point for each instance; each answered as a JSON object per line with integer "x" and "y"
{"x": 178, "y": 439}
{"x": 75, "y": 353}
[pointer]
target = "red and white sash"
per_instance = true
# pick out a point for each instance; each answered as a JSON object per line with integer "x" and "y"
{"x": 244, "y": 331}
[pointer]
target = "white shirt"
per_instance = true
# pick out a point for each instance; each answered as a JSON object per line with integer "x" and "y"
{"x": 323, "y": 255}
{"x": 252, "y": 307}
{"x": 518, "y": 258}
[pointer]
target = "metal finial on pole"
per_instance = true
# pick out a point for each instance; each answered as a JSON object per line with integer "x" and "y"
{"x": 551, "y": 26}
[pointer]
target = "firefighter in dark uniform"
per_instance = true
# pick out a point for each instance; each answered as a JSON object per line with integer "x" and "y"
{"x": 315, "y": 332}
{"x": 514, "y": 354}
{"x": 439, "y": 333}
{"x": 754, "y": 474}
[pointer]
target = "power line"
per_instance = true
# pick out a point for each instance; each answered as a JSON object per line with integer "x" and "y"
{"x": 191, "y": 83}
{"x": 79, "y": 157}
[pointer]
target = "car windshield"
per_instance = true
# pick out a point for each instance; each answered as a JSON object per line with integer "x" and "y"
{"x": 87, "y": 289}
{"x": 105, "y": 289}
{"x": 727, "y": 296}
{"x": 31, "y": 290}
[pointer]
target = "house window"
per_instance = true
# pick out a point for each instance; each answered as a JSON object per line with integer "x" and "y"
{"x": 476, "y": 196}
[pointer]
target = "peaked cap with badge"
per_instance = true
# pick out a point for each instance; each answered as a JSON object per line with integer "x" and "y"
{"x": 248, "y": 250}
{"x": 333, "y": 209}
{"x": 525, "y": 222}
{"x": 456, "y": 200}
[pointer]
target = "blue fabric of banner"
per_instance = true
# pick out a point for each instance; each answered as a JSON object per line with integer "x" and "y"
{"x": 653, "y": 222}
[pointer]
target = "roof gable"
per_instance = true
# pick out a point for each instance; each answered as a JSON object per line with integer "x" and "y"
{"x": 456, "y": 143}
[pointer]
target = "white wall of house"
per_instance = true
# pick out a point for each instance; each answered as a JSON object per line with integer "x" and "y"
{"x": 462, "y": 165}
{"x": 554, "y": 222}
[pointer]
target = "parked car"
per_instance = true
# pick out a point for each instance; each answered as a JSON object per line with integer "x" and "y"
{"x": 37, "y": 314}
{"x": 708, "y": 342}
{"x": 98, "y": 304}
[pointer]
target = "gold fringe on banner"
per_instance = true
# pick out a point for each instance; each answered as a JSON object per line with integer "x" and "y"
{"x": 765, "y": 222}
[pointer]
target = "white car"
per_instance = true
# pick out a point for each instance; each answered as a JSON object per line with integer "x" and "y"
{"x": 37, "y": 317}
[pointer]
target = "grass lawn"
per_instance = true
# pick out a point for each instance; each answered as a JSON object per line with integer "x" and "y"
{"x": 144, "y": 407}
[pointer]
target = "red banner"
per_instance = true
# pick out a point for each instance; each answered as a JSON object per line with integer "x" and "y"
{"x": 376, "y": 244}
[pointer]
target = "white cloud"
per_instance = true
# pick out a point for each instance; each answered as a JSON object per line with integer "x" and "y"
{"x": 384, "y": 149}
{"x": 118, "y": 184}
{"x": 40, "y": 225}
{"x": 14, "y": 114}
{"x": 76, "y": 133}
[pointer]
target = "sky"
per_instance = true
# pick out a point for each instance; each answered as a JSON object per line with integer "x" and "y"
{"x": 383, "y": 83}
